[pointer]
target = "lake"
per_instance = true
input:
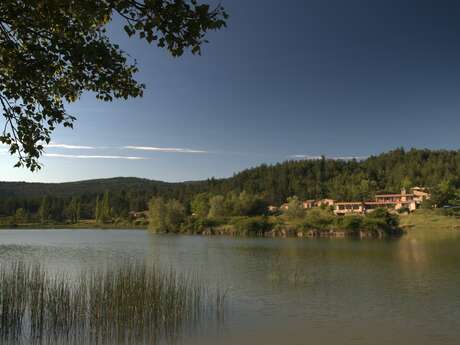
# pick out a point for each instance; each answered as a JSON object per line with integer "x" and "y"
{"x": 286, "y": 291}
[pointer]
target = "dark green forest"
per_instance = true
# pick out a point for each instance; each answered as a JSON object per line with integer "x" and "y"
{"x": 306, "y": 179}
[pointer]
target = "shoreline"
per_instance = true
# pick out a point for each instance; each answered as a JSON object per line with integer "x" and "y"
{"x": 421, "y": 221}
{"x": 283, "y": 233}
{"x": 78, "y": 226}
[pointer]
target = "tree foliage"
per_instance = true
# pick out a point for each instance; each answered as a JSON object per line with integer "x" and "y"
{"x": 52, "y": 51}
{"x": 217, "y": 207}
{"x": 236, "y": 204}
{"x": 73, "y": 210}
{"x": 293, "y": 208}
{"x": 165, "y": 216}
{"x": 200, "y": 205}
{"x": 381, "y": 219}
{"x": 319, "y": 218}
{"x": 248, "y": 192}
{"x": 45, "y": 210}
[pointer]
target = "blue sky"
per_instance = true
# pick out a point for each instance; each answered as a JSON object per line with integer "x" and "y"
{"x": 286, "y": 78}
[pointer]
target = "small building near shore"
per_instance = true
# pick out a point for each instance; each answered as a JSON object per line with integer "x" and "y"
{"x": 395, "y": 198}
{"x": 420, "y": 194}
{"x": 409, "y": 201}
{"x": 273, "y": 208}
{"x": 138, "y": 215}
{"x": 284, "y": 206}
{"x": 307, "y": 204}
{"x": 344, "y": 208}
{"x": 325, "y": 202}
{"x": 410, "y": 205}
{"x": 395, "y": 202}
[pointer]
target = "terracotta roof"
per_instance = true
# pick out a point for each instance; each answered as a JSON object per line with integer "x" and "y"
{"x": 381, "y": 202}
{"x": 391, "y": 195}
{"x": 387, "y": 202}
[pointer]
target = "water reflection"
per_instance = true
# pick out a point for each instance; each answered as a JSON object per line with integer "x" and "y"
{"x": 322, "y": 290}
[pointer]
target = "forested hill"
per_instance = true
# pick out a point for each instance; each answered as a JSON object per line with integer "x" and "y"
{"x": 67, "y": 189}
{"x": 338, "y": 179}
{"x": 349, "y": 179}
{"x": 127, "y": 193}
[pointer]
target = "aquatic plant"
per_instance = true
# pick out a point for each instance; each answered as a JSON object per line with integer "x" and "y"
{"x": 132, "y": 304}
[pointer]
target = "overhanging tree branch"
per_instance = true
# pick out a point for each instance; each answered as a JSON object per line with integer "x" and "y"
{"x": 55, "y": 50}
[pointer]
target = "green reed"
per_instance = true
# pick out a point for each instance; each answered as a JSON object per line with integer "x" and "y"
{"x": 132, "y": 304}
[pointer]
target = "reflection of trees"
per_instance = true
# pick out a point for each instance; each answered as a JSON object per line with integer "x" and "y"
{"x": 425, "y": 248}
{"x": 321, "y": 280}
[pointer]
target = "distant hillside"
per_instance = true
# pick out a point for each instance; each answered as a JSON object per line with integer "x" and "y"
{"x": 308, "y": 179}
{"x": 99, "y": 186}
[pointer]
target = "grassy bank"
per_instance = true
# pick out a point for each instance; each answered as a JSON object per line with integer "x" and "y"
{"x": 430, "y": 221}
{"x": 319, "y": 222}
{"x": 312, "y": 223}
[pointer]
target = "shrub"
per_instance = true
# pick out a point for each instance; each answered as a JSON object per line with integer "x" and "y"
{"x": 251, "y": 226}
{"x": 381, "y": 220}
{"x": 449, "y": 211}
{"x": 196, "y": 225}
{"x": 294, "y": 209}
{"x": 352, "y": 223}
{"x": 403, "y": 210}
{"x": 318, "y": 218}
{"x": 165, "y": 216}
{"x": 427, "y": 204}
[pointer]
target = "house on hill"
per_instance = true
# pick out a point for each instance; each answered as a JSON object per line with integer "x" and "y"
{"x": 324, "y": 202}
{"x": 353, "y": 207}
{"x": 273, "y": 208}
{"x": 133, "y": 215}
{"x": 400, "y": 201}
{"x": 420, "y": 194}
{"x": 395, "y": 198}
{"x": 307, "y": 204}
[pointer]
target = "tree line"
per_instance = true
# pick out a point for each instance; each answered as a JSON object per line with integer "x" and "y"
{"x": 257, "y": 187}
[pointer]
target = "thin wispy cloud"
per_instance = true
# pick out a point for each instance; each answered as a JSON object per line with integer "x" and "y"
{"x": 164, "y": 149}
{"x": 59, "y": 155}
{"x": 305, "y": 157}
{"x": 71, "y": 147}
{"x": 127, "y": 147}
{"x": 312, "y": 157}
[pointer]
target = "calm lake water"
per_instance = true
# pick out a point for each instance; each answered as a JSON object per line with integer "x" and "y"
{"x": 287, "y": 291}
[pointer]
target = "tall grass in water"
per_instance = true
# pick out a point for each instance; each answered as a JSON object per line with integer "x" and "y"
{"x": 133, "y": 304}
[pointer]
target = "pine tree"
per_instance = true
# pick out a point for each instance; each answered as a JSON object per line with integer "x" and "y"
{"x": 105, "y": 209}
{"x": 77, "y": 211}
{"x": 44, "y": 211}
{"x": 98, "y": 210}
{"x": 73, "y": 210}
